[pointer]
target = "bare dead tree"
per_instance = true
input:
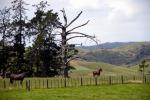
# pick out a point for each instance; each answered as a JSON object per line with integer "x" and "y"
{"x": 67, "y": 35}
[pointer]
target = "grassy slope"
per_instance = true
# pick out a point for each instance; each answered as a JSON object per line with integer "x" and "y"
{"x": 131, "y": 49}
{"x": 136, "y": 67}
{"x": 83, "y": 68}
{"x": 104, "y": 92}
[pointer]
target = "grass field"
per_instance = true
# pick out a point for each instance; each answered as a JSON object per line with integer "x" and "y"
{"x": 104, "y": 92}
{"x": 83, "y": 68}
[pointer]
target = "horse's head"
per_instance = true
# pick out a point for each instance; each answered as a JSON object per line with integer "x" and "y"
{"x": 29, "y": 73}
{"x": 100, "y": 70}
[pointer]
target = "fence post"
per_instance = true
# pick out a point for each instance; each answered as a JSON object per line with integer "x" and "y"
{"x": 90, "y": 81}
{"x": 26, "y": 84}
{"x": 95, "y": 80}
{"x": 29, "y": 86}
{"x": 65, "y": 82}
{"x": 43, "y": 83}
{"x": 4, "y": 84}
{"x": 39, "y": 83}
{"x": 145, "y": 79}
{"x": 110, "y": 80}
{"x": 61, "y": 82}
{"x": 81, "y": 80}
{"x": 122, "y": 79}
{"x": 35, "y": 84}
{"x": 51, "y": 83}
{"x": 47, "y": 84}
{"x": 134, "y": 77}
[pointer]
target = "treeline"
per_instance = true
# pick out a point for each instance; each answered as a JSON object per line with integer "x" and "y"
{"x": 47, "y": 55}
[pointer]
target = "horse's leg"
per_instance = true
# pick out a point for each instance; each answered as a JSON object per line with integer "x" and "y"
{"x": 11, "y": 81}
{"x": 93, "y": 74}
{"x": 21, "y": 83}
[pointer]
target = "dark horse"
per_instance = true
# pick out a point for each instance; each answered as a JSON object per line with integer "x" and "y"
{"x": 98, "y": 72}
{"x": 20, "y": 77}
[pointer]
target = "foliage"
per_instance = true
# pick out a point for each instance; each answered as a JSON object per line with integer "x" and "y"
{"x": 142, "y": 66}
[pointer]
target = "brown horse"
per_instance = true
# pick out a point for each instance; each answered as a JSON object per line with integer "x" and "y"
{"x": 20, "y": 77}
{"x": 98, "y": 72}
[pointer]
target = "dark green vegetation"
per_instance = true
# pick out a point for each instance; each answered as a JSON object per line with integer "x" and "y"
{"x": 104, "y": 92}
{"x": 118, "y": 53}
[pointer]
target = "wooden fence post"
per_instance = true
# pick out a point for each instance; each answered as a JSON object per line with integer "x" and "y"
{"x": 47, "y": 83}
{"x": 51, "y": 83}
{"x": 122, "y": 79}
{"x": 39, "y": 83}
{"x": 65, "y": 82}
{"x": 35, "y": 84}
{"x": 43, "y": 83}
{"x": 4, "y": 84}
{"x": 81, "y": 80}
{"x": 61, "y": 82}
{"x": 110, "y": 80}
{"x": 28, "y": 85}
{"x": 134, "y": 77}
{"x": 145, "y": 79}
{"x": 95, "y": 80}
{"x": 90, "y": 81}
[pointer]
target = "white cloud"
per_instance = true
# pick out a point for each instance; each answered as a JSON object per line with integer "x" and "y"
{"x": 122, "y": 8}
{"x": 84, "y": 4}
{"x": 110, "y": 20}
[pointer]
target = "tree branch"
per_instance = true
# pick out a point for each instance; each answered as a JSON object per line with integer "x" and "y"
{"x": 87, "y": 36}
{"x": 76, "y": 33}
{"x": 74, "y": 19}
{"x": 71, "y": 59}
{"x": 78, "y": 26}
{"x": 65, "y": 17}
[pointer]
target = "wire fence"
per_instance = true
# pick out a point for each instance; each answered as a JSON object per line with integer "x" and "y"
{"x": 39, "y": 83}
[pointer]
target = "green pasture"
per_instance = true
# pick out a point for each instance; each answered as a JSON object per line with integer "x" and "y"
{"x": 83, "y": 68}
{"x": 103, "y": 92}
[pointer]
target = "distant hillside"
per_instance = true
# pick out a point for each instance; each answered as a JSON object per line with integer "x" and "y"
{"x": 107, "y": 45}
{"x": 118, "y": 53}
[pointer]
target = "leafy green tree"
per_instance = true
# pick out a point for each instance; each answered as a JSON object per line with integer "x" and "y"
{"x": 4, "y": 33}
{"x": 142, "y": 66}
{"x": 19, "y": 32}
{"x": 44, "y": 48}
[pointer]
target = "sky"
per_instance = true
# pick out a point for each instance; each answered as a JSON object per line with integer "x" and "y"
{"x": 110, "y": 20}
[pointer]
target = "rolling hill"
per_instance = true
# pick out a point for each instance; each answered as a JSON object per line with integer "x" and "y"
{"x": 117, "y": 53}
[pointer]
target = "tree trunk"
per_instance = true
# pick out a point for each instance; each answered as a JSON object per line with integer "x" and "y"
{"x": 64, "y": 52}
